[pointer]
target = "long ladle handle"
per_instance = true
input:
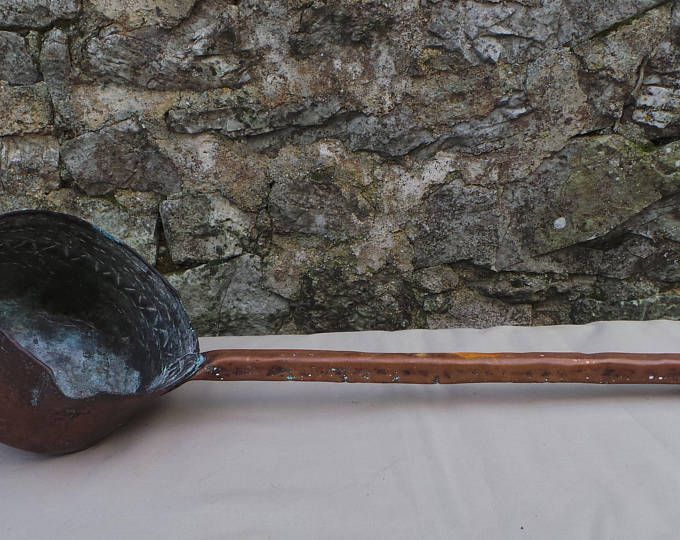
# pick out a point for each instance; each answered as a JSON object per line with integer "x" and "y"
{"x": 444, "y": 368}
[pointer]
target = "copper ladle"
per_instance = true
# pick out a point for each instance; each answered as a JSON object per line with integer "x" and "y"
{"x": 90, "y": 335}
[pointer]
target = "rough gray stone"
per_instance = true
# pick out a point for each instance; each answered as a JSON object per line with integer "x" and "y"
{"x": 533, "y": 288}
{"x": 611, "y": 64}
{"x": 675, "y": 19}
{"x": 209, "y": 163}
{"x": 55, "y": 64}
{"x": 614, "y": 290}
{"x": 120, "y": 156}
{"x": 202, "y": 290}
{"x": 618, "y": 54}
{"x": 661, "y": 306}
{"x": 456, "y": 222}
{"x": 582, "y": 193}
{"x": 234, "y": 117}
{"x": 204, "y": 227}
{"x": 355, "y": 24}
{"x": 29, "y": 166}
{"x": 621, "y": 258}
{"x": 663, "y": 264}
{"x": 489, "y": 32}
{"x": 248, "y": 307}
{"x": 436, "y": 279}
{"x": 201, "y": 52}
{"x": 333, "y": 298}
{"x": 582, "y": 21}
{"x": 657, "y": 104}
{"x": 465, "y": 308}
{"x": 659, "y": 221}
{"x": 229, "y": 298}
{"x": 321, "y": 202}
{"x": 138, "y": 13}
{"x": 27, "y": 109}
{"x": 36, "y": 13}
{"x": 16, "y": 64}
{"x": 518, "y": 32}
{"x": 392, "y": 135}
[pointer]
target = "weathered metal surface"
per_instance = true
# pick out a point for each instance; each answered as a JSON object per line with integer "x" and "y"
{"x": 83, "y": 359}
{"x": 35, "y": 415}
{"x": 436, "y": 368}
{"x": 88, "y": 327}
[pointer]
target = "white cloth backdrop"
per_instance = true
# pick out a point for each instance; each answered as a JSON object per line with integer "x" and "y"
{"x": 337, "y": 461}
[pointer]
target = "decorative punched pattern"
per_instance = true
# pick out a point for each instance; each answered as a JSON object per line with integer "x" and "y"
{"x": 111, "y": 287}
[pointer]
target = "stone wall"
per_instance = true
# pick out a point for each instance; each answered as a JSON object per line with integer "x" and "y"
{"x": 303, "y": 166}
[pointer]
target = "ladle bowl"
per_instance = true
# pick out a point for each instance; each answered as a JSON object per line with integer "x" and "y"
{"x": 90, "y": 334}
